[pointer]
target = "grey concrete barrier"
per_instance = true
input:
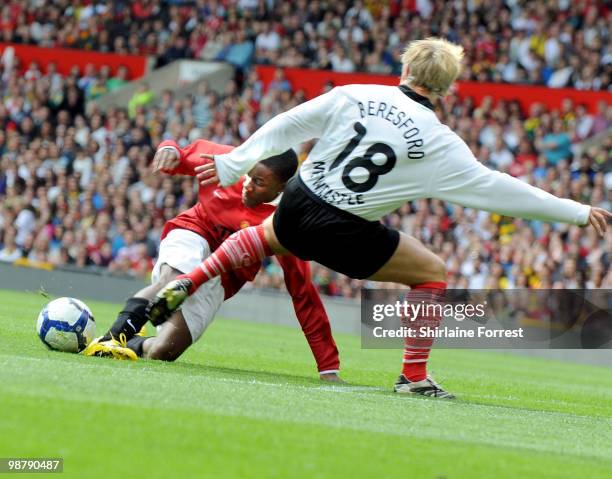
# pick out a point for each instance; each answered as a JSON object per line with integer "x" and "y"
{"x": 77, "y": 283}
{"x": 181, "y": 77}
{"x": 250, "y": 304}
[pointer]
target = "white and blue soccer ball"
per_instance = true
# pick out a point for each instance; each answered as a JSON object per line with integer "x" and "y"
{"x": 66, "y": 324}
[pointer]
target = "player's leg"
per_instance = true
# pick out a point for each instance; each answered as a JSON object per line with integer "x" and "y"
{"x": 186, "y": 325}
{"x": 173, "y": 338}
{"x": 180, "y": 251}
{"x": 134, "y": 314}
{"x": 241, "y": 249}
{"x": 270, "y": 237}
{"x": 122, "y": 337}
{"x": 339, "y": 240}
{"x": 414, "y": 265}
{"x": 411, "y": 263}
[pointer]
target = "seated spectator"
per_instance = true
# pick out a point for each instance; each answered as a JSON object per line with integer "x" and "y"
{"x": 340, "y": 62}
{"x": 10, "y": 252}
{"x": 96, "y": 89}
{"x": 119, "y": 80}
{"x": 500, "y": 156}
{"x": 268, "y": 39}
{"x": 556, "y": 144}
{"x": 280, "y": 82}
{"x": 142, "y": 96}
{"x": 241, "y": 51}
{"x": 602, "y": 119}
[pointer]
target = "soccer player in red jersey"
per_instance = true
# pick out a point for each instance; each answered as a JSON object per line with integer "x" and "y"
{"x": 191, "y": 237}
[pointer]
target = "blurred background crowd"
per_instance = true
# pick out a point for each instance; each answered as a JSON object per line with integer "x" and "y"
{"x": 75, "y": 183}
{"x": 556, "y": 43}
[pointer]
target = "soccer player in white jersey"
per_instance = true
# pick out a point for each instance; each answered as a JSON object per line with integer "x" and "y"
{"x": 378, "y": 147}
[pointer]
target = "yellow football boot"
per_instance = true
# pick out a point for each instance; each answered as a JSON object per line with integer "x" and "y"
{"x": 111, "y": 348}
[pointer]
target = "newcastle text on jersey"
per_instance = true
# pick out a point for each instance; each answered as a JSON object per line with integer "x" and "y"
{"x": 326, "y": 193}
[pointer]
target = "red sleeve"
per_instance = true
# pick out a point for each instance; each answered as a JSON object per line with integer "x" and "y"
{"x": 310, "y": 312}
{"x": 190, "y": 155}
{"x": 233, "y": 280}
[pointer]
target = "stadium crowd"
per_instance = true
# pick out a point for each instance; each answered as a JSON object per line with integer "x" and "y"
{"x": 75, "y": 183}
{"x": 557, "y": 43}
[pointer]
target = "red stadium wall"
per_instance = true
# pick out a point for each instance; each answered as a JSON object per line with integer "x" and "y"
{"x": 312, "y": 82}
{"x": 66, "y": 58}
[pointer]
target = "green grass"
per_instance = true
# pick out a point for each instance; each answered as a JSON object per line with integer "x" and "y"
{"x": 245, "y": 402}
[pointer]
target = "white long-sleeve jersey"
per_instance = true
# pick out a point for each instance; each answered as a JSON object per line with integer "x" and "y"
{"x": 379, "y": 148}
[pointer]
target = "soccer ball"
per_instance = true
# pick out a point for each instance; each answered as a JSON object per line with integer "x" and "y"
{"x": 66, "y": 324}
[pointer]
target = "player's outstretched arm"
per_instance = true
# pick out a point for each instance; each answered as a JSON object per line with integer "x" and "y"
{"x": 302, "y": 123}
{"x": 171, "y": 159}
{"x": 460, "y": 178}
{"x": 311, "y": 315}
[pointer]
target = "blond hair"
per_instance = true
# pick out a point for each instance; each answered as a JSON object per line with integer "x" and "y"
{"x": 433, "y": 63}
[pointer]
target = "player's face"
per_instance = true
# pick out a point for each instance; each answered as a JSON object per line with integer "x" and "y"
{"x": 261, "y": 186}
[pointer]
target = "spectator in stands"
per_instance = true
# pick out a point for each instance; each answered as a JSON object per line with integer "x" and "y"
{"x": 142, "y": 96}
{"x": 10, "y": 252}
{"x": 267, "y": 40}
{"x": 117, "y": 81}
{"x": 602, "y": 119}
{"x": 240, "y": 52}
{"x": 500, "y": 157}
{"x": 556, "y": 144}
{"x": 280, "y": 82}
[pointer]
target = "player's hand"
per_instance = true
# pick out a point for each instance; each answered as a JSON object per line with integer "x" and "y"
{"x": 165, "y": 159}
{"x": 598, "y": 219}
{"x": 207, "y": 174}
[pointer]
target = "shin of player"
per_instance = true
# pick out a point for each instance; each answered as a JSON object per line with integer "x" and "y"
{"x": 242, "y": 249}
{"x": 416, "y": 350}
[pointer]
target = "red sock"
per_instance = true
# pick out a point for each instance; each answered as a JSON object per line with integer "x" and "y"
{"x": 416, "y": 351}
{"x": 240, "y": 250}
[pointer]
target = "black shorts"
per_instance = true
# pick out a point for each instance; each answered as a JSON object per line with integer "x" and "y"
{"x": 314, "y": 230}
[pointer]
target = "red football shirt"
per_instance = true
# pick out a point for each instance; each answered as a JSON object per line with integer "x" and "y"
{"x": 221, "y": 212}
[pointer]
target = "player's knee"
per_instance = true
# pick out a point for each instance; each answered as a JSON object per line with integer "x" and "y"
{"x": 161, "y": 355}
{"x": 162, "y": 352}
{"x": 434, "y": 269}
{"x": 438, "y": 269}
{"x": 166, "y": 275}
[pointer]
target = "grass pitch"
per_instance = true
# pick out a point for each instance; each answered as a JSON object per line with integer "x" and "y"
{"x": 245, "y": 402}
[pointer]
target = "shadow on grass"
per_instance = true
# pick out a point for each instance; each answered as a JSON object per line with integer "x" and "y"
{"x": 245, "y": 373}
